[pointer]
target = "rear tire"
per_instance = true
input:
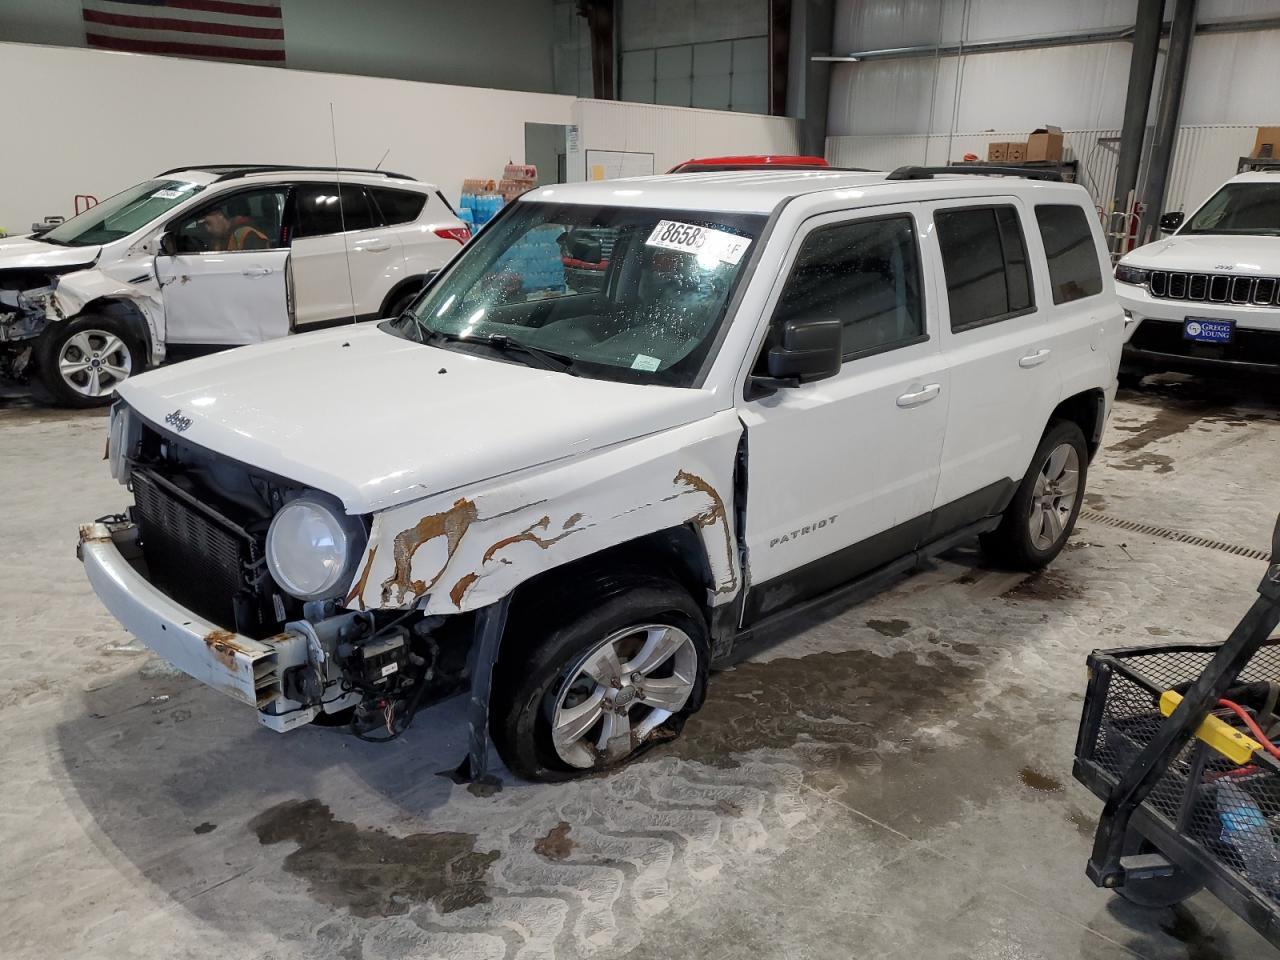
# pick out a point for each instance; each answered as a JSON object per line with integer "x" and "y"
{"x": 1039, "y": 519}
{"x": 80, "y": 362}
{"x": 551, "y": 718}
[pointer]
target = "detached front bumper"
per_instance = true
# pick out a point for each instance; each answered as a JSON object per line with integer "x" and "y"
{"x": 245, "y": 669}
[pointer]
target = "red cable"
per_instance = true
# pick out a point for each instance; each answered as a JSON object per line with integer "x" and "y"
{"x": 1249, "y": 722}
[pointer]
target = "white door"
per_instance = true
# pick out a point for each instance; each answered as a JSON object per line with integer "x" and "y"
{"x": 344, "y": 261}
{"x": 226, "y": 284}
{"x": 841, "y": 473}
{"x": 1005, "y": 378}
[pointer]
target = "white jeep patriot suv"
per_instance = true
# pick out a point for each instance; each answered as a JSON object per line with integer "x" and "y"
{"x": 1208, "y": 296}
{"x": 777, "y": 388}
{"x": 203, "y": 258}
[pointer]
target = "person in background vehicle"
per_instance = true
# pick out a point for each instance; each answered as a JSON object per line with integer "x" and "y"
{"x": 232, "y": 229}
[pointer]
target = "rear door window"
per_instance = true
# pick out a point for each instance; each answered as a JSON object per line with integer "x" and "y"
{"x": 398, "y": 206}
{"x": 865, "y": 273}
{"x": 1070, "y": 249}
{"x": 326, "y": 208}
{"x": 984, "y": 258}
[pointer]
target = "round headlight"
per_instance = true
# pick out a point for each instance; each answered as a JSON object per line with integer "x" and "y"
{"x": 313, "y": 547}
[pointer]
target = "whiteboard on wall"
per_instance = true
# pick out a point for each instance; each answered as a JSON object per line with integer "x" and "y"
{"x": 613, "y": 164}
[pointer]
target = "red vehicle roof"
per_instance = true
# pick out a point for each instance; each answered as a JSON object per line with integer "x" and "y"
{"x": 707, "y": 164}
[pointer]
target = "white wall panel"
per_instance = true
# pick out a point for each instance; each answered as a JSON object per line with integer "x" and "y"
{"x": 121, "y": 118}
{"x": 674, "y": 134}
{"x": 1204, "y": 156}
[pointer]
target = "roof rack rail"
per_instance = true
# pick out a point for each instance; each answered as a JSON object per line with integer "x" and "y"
{"x": 230, "y": 171}
{"x": 1258, "y": 165}
{"x": 981, "y": 170}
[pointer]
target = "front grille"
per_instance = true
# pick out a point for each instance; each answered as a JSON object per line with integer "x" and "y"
{"x": 199, "y": 558}
{"x": 1213, "y": 287}
{"x": 1246, "y": 346}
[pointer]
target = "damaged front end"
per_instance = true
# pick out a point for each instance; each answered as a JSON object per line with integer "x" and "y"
{"x": 186, "y": 571}
{"x": 28, "y": 305}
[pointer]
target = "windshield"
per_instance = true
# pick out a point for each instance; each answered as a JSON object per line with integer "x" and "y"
{"x": 1242, "y": 208}
{"x": 618, "y": 293}
{"x": 122, "y": 214}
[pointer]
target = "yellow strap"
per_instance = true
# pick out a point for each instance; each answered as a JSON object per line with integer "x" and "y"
{"x": 1218, "y": 734}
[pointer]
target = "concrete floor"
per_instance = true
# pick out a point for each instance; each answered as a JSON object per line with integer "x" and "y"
{"x": 892, "y": 781}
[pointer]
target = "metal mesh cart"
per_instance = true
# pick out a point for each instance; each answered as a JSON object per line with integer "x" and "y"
{"x": 1192, "y": 787}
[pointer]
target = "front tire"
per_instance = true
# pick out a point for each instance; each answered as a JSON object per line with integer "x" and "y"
{"x": 81, "y": 362}
{"x": 600, "y": 686}
{"x": 1043, "y": 511}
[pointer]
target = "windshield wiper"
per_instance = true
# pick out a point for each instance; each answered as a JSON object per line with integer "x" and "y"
{"x": 546, "y": 359}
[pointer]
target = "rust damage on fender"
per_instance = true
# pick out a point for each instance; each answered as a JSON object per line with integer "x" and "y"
{"x": 222, "y": 644}
{"x": 357, "y": 592}
{"x": 712, "y": 515}
{"x": 461, "y": 587}
{"x": 87, "y": 534}
{"x": 529, "y": 535}
{"x": 450, "y": 524}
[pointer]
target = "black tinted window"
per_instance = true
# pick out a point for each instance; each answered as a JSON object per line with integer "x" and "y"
{"x": 866, "y": 274}
{"x": 985, "y": 262}
{"x": 324, "y": 208}
{"x": 398, "y": 206}
{"x": 1068, "y": 245}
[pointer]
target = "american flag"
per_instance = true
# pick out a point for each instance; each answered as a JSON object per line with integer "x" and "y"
{"x": 246, "y": 31}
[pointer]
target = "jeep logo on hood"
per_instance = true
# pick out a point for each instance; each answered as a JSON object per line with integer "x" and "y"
{"x": 178, "y": 421}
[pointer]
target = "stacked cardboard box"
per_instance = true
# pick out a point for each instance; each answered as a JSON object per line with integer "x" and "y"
{"x": 1044, "y": 144}
{"x": 1268, "y": 143}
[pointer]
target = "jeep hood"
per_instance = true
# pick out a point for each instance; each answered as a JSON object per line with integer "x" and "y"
{"x": 25, "y": 253}
{"x": 377, "y": 420}
{"x": 1247, "y": 255}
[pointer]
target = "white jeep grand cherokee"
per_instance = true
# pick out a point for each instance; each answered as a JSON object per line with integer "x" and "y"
{"x": 1208, "y": 296}
{"x": 775, "y": 388}
{"x": 203, "y": 258}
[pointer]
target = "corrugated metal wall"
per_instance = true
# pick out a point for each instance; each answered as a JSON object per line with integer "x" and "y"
{"x": 675, "y": 134}
{"x": 1078, "y": 87}
{"x": 1204, "y": 156}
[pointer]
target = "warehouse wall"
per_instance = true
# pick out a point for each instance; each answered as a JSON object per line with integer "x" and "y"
{"x": 1079, "y": 87}
{"x": 102, "y": 121}
{"x": 675, "y": 134}
{"x": 1204, "y": 156}
{"x": 483, "y": 43}
{"x": 120, "y": 118}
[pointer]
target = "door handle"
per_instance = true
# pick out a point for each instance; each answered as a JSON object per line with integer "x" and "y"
{"x": 256, "y": 271}
{"x": 918, "y": 396}
{"x": 1034, "y": 359}
{"x": 375, "y": 246}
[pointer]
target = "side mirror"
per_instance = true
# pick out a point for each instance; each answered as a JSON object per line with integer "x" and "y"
{"x": 1171, "y": 221}
{"x": 168, "y": 244}
{"x": 810, "y": 350}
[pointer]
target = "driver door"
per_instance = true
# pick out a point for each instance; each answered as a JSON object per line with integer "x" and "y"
{"x": 220, "y": 297}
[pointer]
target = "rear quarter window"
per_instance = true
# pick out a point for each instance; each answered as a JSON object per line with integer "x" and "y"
{"x": 1069, "y": 247}
{"x": 398, "y": 206}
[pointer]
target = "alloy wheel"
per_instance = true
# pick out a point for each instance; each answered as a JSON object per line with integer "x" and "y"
{"x": 94, "y": 362}
{"x": 1054, "y": 496}
{"x": 620, "y": 691}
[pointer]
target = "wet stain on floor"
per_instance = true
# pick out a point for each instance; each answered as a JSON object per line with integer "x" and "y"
{"x": 889, "y": 628}
{"x": 1085, "y": 824}
{"x": 557, "y": 844}
{"x": 205, "y": 827}
{"x": 1185, "y": 928}
{"x": 1095, "y": 501}
{"x": 370, "y": 872}
{"x": 1166, "y": 423}
{"x": 1141, "y": 461}
{"x": 1040, "y": 782}
{"x": 1044, "y": 586}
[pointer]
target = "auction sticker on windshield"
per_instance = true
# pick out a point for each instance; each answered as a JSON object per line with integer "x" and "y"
{"x": 700, "y": 241}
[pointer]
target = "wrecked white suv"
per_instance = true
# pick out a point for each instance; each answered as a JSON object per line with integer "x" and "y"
{"x": 763, "y": 390}
{"x": 200, "y": 259}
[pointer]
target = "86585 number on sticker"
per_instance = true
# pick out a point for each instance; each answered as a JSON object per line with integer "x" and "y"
{"x": 703, "y": 242}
